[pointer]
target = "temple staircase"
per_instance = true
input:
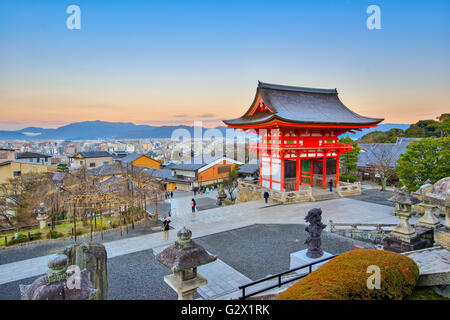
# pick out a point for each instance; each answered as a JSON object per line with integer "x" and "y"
{"x": 324, "y": 194}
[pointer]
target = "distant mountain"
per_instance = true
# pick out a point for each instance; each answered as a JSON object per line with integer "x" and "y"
{"x": 381, "y": 127}
{"x": 93, "y": 130}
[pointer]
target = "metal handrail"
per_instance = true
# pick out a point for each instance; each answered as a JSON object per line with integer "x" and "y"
{"x": 278, "y": 275}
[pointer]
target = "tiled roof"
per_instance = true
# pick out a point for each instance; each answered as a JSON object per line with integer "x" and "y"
{"x": 249, "y": 168}
{"x": 383, "y": 151}
{"x": 95, "y": 154}
{"x": 27, "y": 155}
{"x": 301, "y": 105}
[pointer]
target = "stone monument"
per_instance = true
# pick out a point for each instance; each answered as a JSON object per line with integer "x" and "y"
{"x": 183, "y": 258}
{"x": 59, "y": 283}
{"x": 314, "y": 251}
{"x": 92, "y": 257}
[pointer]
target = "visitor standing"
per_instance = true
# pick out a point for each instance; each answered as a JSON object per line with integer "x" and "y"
{"x": 266, "y": 196}
{"x": 166, "y": 228}
{"x": 330, "y": 183}
{"x": 193, "y": 204}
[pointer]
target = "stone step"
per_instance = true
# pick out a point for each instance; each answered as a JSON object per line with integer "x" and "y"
{"x": 326, "y": 196}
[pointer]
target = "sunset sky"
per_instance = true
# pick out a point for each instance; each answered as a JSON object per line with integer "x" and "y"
{"x": 173, "y": 62}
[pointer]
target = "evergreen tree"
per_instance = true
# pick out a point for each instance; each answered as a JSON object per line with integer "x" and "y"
{"x": 349, "y": 160}
{"x": 428, "y": 158}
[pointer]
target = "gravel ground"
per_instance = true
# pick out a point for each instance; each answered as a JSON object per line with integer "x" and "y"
{"x": 375, "y": 196}
{"x": 259, "y": 250}
{"x": 135, "y": 276}
{"x": 255, "y": 251}
{"x": 13, "y": 254}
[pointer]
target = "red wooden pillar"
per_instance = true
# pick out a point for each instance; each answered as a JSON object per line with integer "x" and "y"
{"x": 282, "y": 173}
{"x": 337, "y": 169}
{"x": 297, "y": 173}
{"x": 324, "y": 173}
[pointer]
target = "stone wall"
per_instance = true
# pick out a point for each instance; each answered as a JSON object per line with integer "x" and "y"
{"x": 348, "y": 189}
{"x": 250, "y": 192}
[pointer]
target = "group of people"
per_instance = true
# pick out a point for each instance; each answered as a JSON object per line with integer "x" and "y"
{"x": 169, "y": 194}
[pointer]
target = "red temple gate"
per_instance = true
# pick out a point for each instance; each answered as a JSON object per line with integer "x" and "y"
{"x": 299, "y": 125}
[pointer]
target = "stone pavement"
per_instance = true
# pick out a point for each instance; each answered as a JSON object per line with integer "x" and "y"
{"x": 222, "y": 219}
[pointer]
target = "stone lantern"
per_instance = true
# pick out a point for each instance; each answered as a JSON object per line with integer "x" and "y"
{"x": 403, "y": 202}
{"x": 183, "y": 258}
{"x": 42, "y": 216}
{"x": 59, "y": 283}
{"x": 405, "y": 237}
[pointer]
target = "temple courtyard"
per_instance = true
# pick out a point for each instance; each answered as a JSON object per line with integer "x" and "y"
{"x": 251, "y": 240}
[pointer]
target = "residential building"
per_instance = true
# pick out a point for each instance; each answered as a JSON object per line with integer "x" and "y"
{"x": 90, "y": 159}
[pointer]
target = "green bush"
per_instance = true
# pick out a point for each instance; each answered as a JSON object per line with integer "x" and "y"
{"x": 348, "y": 176}
{"x": 20, "y": 239}
{"x": 345, "y": 278}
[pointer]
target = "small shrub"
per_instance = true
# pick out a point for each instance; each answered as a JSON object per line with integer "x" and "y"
{"x": 20, "y": 239}
{"x": 345, "y": 278}
{"x": 54, "y": 235}
{"x": 36, "y": 236}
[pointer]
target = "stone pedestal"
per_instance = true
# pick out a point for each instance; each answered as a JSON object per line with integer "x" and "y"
{"x": 428, "y": 219}
{"x": 185, "y": 288}
{"x": 403, "y": 231}
{"x": 300, "y": 258}
{"x": 42, "y": 218}
{"x": 442, "y": 238}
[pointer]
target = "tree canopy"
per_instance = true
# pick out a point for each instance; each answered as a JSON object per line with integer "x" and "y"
{"x": 428, "y": 158}
{"x": 420, "y": 129}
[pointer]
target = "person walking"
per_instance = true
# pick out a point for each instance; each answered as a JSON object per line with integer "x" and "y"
{"x": 266, "y": 196}
{"x": 330, "y": 183}
{"x": 166, "y": 228}
{"x": 193, "y": 204}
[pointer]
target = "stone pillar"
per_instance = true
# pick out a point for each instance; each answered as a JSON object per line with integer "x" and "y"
{"x": 91, "y": 256}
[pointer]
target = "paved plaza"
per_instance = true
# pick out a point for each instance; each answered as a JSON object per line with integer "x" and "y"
{"x": 251, "y": 239}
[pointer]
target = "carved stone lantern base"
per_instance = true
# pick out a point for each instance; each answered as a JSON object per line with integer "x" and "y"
{"x": 185, "y": 289}
{"x": 403, "y": 231}
{"x": 428, "y": 220}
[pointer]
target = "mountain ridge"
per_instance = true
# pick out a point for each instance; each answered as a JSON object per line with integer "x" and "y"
{"x": 94, "y": 130}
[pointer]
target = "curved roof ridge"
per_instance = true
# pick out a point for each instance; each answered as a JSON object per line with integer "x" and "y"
{"x": 264, "y": 85}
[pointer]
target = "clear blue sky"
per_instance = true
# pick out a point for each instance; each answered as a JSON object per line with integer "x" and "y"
{"x": 176, "y": 61}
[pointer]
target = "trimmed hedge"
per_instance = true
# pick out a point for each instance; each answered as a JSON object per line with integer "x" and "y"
{"x": 345, "y": 278}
